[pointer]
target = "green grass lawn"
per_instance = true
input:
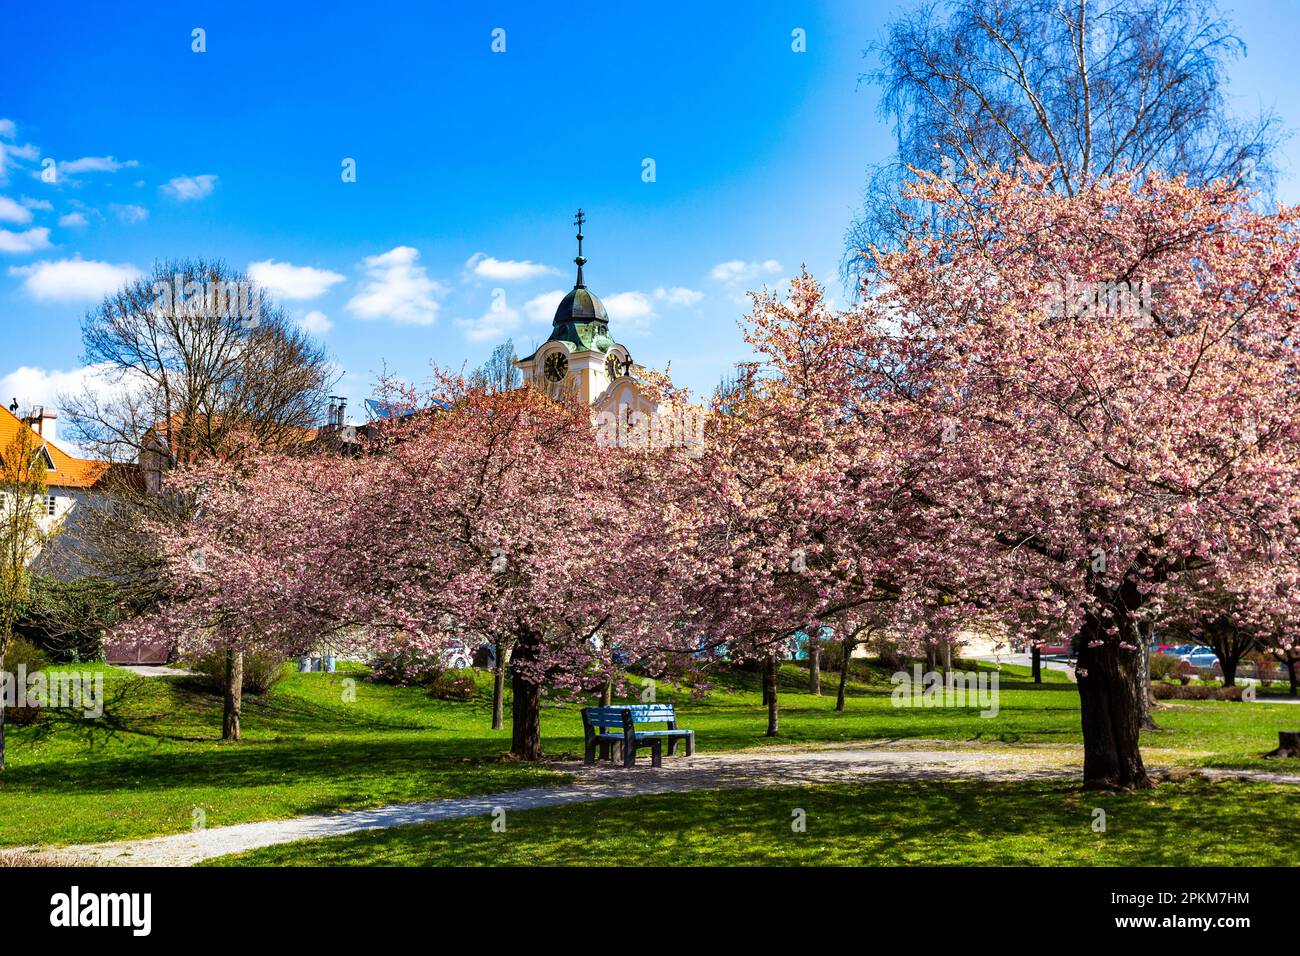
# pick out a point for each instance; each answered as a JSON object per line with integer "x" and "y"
{"x": 155, "y": 757}
{"x": 873, "y": 824}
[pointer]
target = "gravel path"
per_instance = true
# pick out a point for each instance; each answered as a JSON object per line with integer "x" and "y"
{"x": 766, "y": 768}
{"x": 770, "y": 767}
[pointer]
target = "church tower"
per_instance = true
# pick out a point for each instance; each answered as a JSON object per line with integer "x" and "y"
{"x": 580, "y": 356}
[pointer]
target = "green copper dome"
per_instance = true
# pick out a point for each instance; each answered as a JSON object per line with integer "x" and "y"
{"x": 581, "y": 321}
{"x": 580, "y": 305}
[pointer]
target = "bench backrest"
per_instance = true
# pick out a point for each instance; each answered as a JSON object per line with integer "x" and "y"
{"x": 603, "y": 716}
{"x": 653, "y": 713}
{"x": 624, "y": 718}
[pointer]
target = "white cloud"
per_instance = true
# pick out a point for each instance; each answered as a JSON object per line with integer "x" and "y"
{"x": 296, "y": 283}
{"x": 94, "y": 164}
{"x": 7, "y": 129}
{"x": 21, "y": 242}
{"x": 28, "y": 151}
{"x": 42, "y": 204}
{"x": 11, "y": 211}
{"x": 738, "y": 270}
{"x": 505, "y": 270}
{"x": 316, "y": 322}
{"x": 678, "y": 296}
{"x": 32, "y": 385}
{"x": 73, "y": 220}
{"x": 8, "y": 152}
{"x": 186, "y": 188}
{"x": 497, "y": 322}
{"x": 541, "y": 308}
{"x": 629, "y": 311}
{"x": 74, "y": 280}
{"x": 397, "y": 288}
{"x": 130, "y": 214}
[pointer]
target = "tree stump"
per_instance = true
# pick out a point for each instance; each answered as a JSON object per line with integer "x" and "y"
{"x": 1288, "y": 744}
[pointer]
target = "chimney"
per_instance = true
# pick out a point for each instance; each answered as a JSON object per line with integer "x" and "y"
{"x": 342, "y": 410}
{"x": 41, "y": 419}
{"x": 332, "y": 415}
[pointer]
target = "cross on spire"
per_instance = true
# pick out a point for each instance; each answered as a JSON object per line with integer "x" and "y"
{"x": 578, "y": 220}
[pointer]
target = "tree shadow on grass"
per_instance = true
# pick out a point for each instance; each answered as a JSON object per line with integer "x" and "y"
{"x": 265, "y": 763}
{"x": 873, "y": 824}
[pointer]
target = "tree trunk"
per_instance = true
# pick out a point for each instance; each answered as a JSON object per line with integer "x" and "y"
{"x": 1229, "y": 665}
{"x": 844, "y": 675}
{"x": 1108, "y": 708}
{"x": 815, "y": 666}
{"x": 607, "y": 692}
{"x": 1036, "y": 659}
{"x": 931, "y": 658}
{"x": 1290, "y": 671}
{"x": 2, "y": 711}
{"x": 1146, "y": 700}
{"x": 499, "y": 689}
{"x": 234, "y": 698}
{"x": 762, "y": 679}
{"x": 1288, "y": 745}
{"x": 773, "y": 717}
{"x": 526, "y": 710}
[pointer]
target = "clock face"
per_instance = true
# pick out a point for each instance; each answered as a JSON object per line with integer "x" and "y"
{"x": 612, "y": 365}
{"x": 557, "y": 365}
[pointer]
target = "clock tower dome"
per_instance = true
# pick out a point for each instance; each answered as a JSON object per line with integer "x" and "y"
{"x": 580, "y": 356}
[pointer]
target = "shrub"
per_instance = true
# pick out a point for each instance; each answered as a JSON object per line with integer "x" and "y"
{"x": 1163, "y": 666}
{"x": 261, "y": 671}
{"x": 860, "y": 669}
{"x": 833, "y": 655}
{"x": 1163, "y": 691}
{"x": 407, "y": 668}
{"x": 1267, "y": 667}
{"x": 23, "y": 654}
{"x": 1182, "y": 671}
{"x": 67, "y": 619}
{"x": 454, "y": 685}
{"x": 891, "y": 658}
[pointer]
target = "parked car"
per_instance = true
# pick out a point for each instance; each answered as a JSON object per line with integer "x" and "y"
{"x": 1055, "y": 650}
{"x": 458, "y": 657}
{"x": 1201, "y": 658}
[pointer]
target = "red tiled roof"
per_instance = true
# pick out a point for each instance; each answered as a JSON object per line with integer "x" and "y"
{"x": 68, "y": 472}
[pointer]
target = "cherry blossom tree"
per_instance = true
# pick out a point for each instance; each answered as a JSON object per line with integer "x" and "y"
{"x": 258, "y": 567}
{"x": 495, "y": 514}
{"x": 1238, "y": 609}
{"x": 1106, "y": 383}
{"x": 823, "y": 515}
{"x": 511, "y": 520}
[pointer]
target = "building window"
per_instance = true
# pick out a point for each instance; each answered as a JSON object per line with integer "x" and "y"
{"x": 51, "y": 505}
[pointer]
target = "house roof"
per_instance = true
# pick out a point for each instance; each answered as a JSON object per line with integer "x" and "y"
{"x": 234, "y": 442}
{"x": 68, "y": 472}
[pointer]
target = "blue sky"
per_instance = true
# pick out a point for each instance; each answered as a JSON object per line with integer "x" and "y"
{"x": 470, "y": 165}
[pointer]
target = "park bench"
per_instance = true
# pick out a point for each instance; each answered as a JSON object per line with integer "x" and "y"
{"x": 607, "y": 728}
